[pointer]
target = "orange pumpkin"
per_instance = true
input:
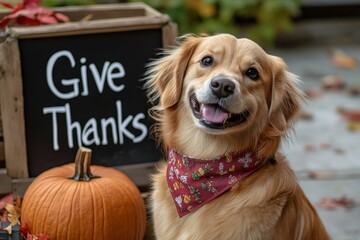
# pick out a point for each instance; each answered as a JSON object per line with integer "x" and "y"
{"x": 106, "y": 205}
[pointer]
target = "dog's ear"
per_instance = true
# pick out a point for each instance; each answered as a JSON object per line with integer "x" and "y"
{"x": 284, "y": 102}
{"x": 286, "y": 97}
{"x": 165, "y": 75}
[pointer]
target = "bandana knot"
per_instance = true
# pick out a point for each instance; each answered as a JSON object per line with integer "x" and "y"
{"x": 194, "y": 182}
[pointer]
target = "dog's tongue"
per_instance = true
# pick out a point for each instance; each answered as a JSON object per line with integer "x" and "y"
{"x": 214, "y": 114}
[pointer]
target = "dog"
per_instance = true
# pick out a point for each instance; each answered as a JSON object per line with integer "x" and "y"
{"x": 222, "y": 105}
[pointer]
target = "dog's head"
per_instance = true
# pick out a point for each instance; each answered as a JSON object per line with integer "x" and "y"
{"x": 225, "y": 90}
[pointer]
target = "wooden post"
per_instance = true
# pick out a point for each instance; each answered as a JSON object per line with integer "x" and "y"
{"x": 12, "y": 105}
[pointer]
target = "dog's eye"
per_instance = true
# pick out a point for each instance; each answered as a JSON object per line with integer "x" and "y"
{"x": 207, "y": 61}
{"x": 252, "y": 73}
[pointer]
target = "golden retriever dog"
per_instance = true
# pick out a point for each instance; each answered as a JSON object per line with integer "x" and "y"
{"x": 222, "y": 106}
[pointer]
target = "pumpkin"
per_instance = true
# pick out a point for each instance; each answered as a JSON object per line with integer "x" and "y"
{"x": 106, "y": 205}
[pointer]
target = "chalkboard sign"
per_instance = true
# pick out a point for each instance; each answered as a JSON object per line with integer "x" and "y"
{"x": 81, "y": 88}
{"x": 85, "y": 91}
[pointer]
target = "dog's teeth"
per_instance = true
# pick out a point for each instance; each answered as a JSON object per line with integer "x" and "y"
{"x": 229, "y": 116}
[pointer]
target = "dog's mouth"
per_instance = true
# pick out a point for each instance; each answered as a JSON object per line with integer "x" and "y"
{"x": 214, "y": 116}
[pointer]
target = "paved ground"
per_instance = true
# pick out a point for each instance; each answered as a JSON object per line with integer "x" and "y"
{"x": 324, "y": 147}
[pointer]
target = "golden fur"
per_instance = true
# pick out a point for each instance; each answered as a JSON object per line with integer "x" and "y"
{"x": 269, "y": 204}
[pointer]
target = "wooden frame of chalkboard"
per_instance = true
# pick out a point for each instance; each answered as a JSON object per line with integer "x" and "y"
{"x": 120, "y": 26}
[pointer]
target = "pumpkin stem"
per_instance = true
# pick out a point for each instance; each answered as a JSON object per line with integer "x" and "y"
{"x": 82, "y": 165}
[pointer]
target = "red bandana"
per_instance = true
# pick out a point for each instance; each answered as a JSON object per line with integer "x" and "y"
{"x": 194, "y": 182}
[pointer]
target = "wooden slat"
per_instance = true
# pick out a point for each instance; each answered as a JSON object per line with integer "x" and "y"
{"x": 106, "y": 11}
{"x": 1, "y": 127}
{"x": 139, "y": 174}
{"x": 170, "y": 33}
{"x": 104, "y": 18}
{"x": 12, "y": 109}
{"x": 2, "y": 151}
{"x": 99, "y": 26}
{"x": 102, "y": 11}
{"x": 5, "y": 182}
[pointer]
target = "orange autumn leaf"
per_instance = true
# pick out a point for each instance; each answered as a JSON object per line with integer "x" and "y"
{"x": 342, "y": 60}
{"x": 13, "y": 213}
{"x": 354, "y": 126}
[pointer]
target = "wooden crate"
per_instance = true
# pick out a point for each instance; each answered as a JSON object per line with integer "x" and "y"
{"x": 125, "y": 29}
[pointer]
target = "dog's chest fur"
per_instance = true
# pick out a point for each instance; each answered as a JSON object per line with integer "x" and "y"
{"x": 247, "y": 211}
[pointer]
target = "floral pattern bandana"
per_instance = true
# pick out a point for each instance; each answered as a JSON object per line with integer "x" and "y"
{"x": 194, "y": 182}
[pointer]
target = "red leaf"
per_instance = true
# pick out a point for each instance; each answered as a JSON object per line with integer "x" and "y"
{"x": 335, "y": 203}
{"x": 24, "y": 230}
{"x": 61, "y": 17}
{"x": 313, "y": 93}
{"x": 350, "y": 115}
{"x": 37, "y": 237}
{"x": 47, "y": 19}
{"x": 4, "y": 22}
{"x": 30, "y": 13}
{"x": 7, "y": 5}
{"x": 32, "y": 3}
{"x": 26, "y": 233}
{"x": 22, "y": 20}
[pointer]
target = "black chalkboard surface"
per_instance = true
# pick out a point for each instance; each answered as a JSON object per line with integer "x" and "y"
{"x": 86, "y": 90}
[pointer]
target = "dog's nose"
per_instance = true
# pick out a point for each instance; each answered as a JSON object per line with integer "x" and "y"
{"x": 222, "y": 87}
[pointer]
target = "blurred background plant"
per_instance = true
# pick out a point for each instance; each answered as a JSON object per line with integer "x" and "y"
{"x": 260, "y": 20}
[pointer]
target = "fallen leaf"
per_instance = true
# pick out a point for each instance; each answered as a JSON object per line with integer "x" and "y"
{"x": 5, "y": 200}
{"x": 26, "y": 234}
{"x": 335, "y": 203}
{"x": 309, "y": 148}
{"x": 354, "y": 126}
{"x": 324, "y": 146}
{"x": 87, "y": 18}
{"x": 340, "y": 59}
{"x": 24, "y": 229}
{"x": 333, "y": 82}
{"x": 3, "y": 216}
{"x": 37, "y": 237}
{"x": 13, "y": 216}
{"x": 305, "y": 115}
{"x": 354, "y": 91}
{"x": 349, "y": 114}
{"x": 321, "y": 175}
{"x": 313, "y": 93}
{"x": 339, "y": 151}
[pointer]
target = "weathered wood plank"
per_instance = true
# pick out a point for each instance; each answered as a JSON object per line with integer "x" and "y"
{"x": 170, "y": 33}
{"x": 2, "y": 151}
{"x": 5, "y": 182}
{"x": 103, "y": 18}
{"x": 12, "y": 108}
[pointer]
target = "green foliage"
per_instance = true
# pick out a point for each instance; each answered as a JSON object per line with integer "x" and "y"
{"x": 215, "y": 16}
